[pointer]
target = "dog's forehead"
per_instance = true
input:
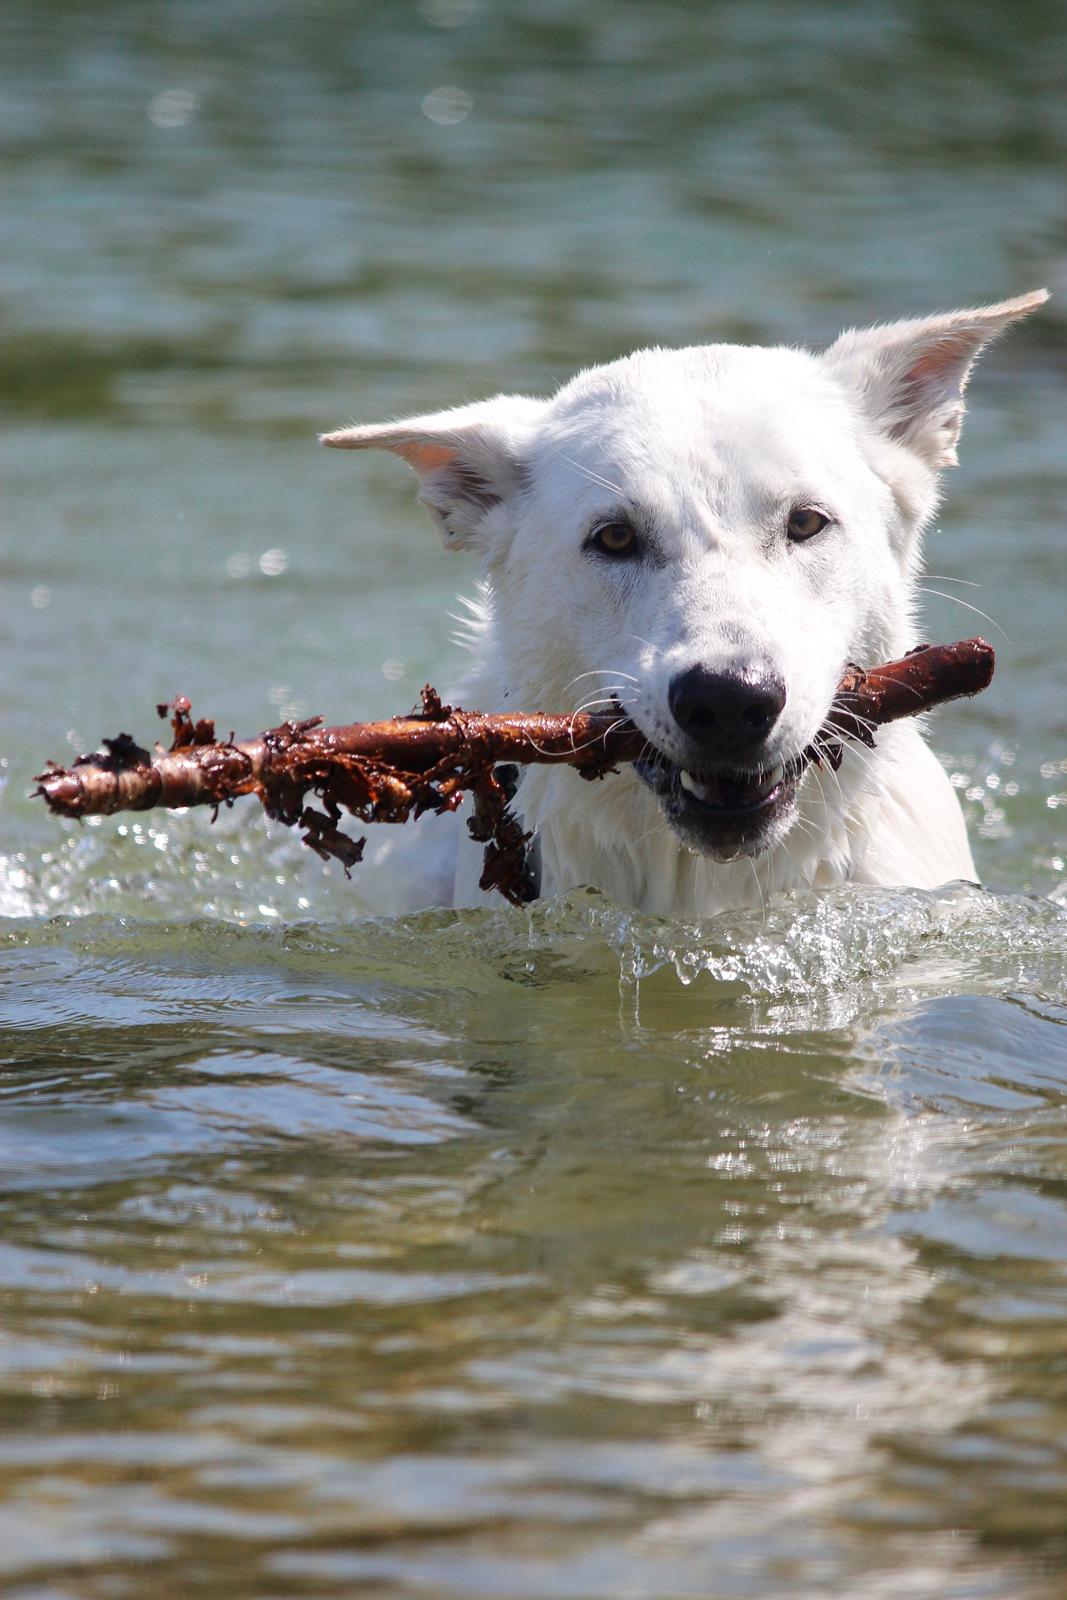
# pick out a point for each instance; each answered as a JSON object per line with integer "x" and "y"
{"x": 738, "y": 406}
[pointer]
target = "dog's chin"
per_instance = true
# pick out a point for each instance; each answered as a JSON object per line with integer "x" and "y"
{"x": 725, "y": 813}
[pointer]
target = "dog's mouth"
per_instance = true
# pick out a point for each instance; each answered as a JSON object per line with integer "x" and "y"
{"x": 724, "y": 812}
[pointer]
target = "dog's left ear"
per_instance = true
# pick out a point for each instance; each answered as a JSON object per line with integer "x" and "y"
{"x": 910, "y": 376}
{"x": 468, "y": 459}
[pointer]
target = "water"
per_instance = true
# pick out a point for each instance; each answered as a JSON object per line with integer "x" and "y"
{"x": 560, "y": 1253}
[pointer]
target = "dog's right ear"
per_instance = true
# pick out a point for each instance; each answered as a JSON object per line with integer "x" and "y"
{"x": 469, "y": 459}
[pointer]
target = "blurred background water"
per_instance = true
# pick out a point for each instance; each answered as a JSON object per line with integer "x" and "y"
{"x": 560, "y": 1253}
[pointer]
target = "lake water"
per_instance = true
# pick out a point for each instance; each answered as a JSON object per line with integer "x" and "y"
{"x": 557, "y": 1253}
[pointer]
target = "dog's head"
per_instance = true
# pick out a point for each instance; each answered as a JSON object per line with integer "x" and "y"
{"x": 705, "y": 538}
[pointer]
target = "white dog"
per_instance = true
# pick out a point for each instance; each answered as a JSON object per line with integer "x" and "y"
{"x": 704, "y": 538}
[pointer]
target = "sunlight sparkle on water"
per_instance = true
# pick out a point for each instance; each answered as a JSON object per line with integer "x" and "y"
{"x": 173, "y": 108}
{"x": 447, "y": 105}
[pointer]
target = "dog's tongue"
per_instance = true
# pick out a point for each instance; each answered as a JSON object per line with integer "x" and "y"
{"x": 730, "y": 791}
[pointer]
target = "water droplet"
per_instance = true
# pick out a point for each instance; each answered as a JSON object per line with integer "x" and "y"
{"x": 447, "y": 105}
{"x": 273, "y": 562}
{"x": 173, "y": 108}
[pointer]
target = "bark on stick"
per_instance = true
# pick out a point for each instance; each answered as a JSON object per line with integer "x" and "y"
{"x": 389, "y": 771}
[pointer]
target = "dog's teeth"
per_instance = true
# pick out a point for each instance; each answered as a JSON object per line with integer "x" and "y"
{"x": 728, "y": 790}
{"x": 703, "y": 791}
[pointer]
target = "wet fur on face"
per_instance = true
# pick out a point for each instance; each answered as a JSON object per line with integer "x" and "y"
{"x": 703, "y": 539}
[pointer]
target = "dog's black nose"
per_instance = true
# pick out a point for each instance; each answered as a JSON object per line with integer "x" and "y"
{"x": 726, "y": 712}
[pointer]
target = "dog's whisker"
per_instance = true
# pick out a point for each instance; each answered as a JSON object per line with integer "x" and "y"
{"x": 589, "y": 743}
{"x": 759, "y": 888}
{"x": 841, "y": 802}
{"x": 599, "y": 672}
{"x": 817, "y": 779}
{"x": 608, "y": 691}
{"x": 659, "y": 825}
{"x": 587, "y": 472}
{"x": 606, "y": 702}
{"x": 922, "y": 589}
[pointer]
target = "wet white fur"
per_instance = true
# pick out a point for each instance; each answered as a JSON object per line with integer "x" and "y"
{"x": 709, "y": 448}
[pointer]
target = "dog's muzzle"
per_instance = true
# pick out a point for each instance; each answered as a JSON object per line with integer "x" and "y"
{"x": 724, "y": 812}
{"x": 728, "y": 800}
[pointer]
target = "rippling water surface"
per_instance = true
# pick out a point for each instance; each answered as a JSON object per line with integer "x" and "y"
{"x": 560, "y": 1253}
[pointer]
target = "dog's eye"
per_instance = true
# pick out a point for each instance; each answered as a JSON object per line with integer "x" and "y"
{"x": 614, "y": 539}
{"x": 805, "y": 522}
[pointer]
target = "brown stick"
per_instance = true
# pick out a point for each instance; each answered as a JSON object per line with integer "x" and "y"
{"x": 388, "y": 771}
{"x": 926, "y": 677}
